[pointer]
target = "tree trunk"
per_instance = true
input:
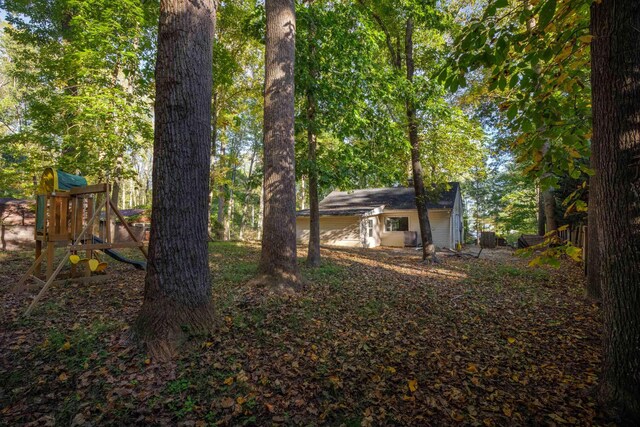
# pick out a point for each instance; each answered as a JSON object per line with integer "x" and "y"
{"x": 115, "y": 196}
{"x": 221, "y": 199}
{"x": 177, "y": 295}
{"x": 593, "y": 286}
{"x": 541, "y": 219}
{"x": 247, "y": 189}
{"x": 214, "y": 138}
{"x": 230, "y": 205}
{"x": 428, "y": 248}
{"x": 549, "y": 201}
{"x": 615, "y": 68}
{"x": 278, "y": 263}
{"x": 313, "y": 254}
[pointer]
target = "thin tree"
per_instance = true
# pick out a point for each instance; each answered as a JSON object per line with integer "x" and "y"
{"x": 428, "y": 248}
{"x": 615, "y": 68}
{"x": 313, "y": 254}
{"x": 278, "y": 263}
{"x": 177, "y": 295}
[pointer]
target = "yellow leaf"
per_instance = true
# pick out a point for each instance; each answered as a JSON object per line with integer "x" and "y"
{"x": 586, "y": 39}
{"x": 413, "y": 385}
{"x": 413, "y": 353}
{"x": 63, "y": 377}
{"x": 506, "y": 410}
{"x": 229, "y": 381}
{"x": 391, "y": 369}
{"x": 408, "y": 398}
{"x": 240, "y": 400}
{"x": 74, "y": 259}
{"x": 456, "y": 416}
{"x": 66, "y": 346}
{"x": 537, "y": 156}
{"x": 147, "y": 361}
{"x": 472, "y": 368}
{"x": 227, "y": 402}
{"x": 511, "y": 340}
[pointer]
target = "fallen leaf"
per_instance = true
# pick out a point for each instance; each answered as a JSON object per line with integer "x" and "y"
{"x": 227, "y": 402}
{"x": 413, "y": 385}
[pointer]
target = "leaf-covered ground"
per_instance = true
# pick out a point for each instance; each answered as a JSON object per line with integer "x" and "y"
{"x": 376, "y": 339}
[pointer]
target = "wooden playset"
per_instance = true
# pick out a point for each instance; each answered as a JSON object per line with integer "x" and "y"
{"x": 67, "y": 214}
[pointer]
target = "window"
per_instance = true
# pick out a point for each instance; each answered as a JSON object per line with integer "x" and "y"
{"x": 370, "y": 223}
{"x": 400, "y": 223}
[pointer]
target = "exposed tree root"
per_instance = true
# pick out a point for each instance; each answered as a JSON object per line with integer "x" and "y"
{"x": 165, "y": 325}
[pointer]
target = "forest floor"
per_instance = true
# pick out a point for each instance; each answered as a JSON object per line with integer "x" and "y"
{"x": 376, "y": 339}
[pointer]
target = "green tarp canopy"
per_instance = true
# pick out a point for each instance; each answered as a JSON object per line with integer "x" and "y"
{"x": 54, "y": 181}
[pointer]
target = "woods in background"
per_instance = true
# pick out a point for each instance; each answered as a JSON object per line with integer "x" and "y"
{"x": 530, "y": 104}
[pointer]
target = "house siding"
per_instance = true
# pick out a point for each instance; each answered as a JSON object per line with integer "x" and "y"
{"x": 440, "y": 227}
{"x": 334, "y": 230}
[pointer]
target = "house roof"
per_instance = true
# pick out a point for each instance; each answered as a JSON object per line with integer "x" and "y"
{"x": 359, "y": 202}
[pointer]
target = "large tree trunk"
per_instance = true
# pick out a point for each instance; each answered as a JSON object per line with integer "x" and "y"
{"x": 313, "y": 254}
{"x": 428, "y": 248}
{"x": 615, "y": 67}
{"x": 177, "y": 295}
{"x": 593, "y": 285}
{"x": 278, "y": 264}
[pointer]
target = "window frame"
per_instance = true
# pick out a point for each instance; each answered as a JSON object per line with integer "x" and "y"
{"x": 389, "y": 221}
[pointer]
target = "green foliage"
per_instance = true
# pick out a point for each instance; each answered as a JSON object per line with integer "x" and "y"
{"x": 520, "y": 58}
{"x": 85, "y": 68}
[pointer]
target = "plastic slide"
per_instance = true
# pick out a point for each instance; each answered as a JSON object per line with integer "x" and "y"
{"x": 140, "y": 265}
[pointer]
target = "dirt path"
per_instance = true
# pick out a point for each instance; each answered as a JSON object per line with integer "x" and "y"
{"x": 376, "y": 339}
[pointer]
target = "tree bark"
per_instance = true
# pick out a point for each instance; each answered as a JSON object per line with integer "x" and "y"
{"x": 549, "y": 201}
{"x": 428, "y": 248}
{"x": 541, "y": 219}
{"x": 615, "y": 77}
{"x": 278, "y": 263}
{"x": 247, "y": 189}
{"x": 593, "y": 285}
{"x": 221, "y": 199}
{"x": 313, "y": 254}
{"x": 177, "y": 295}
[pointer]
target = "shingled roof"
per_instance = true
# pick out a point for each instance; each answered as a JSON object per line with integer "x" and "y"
{"x": 359, "y": 202}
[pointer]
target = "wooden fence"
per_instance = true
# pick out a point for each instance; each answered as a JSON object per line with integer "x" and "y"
{"x": 578, "y": 237}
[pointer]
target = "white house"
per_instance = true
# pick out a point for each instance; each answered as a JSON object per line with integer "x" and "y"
{"x": 384, "y": 217}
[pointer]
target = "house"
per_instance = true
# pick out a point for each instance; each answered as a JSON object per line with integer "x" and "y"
{"x": 384, "y": 217}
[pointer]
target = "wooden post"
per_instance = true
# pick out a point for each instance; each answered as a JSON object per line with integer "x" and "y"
{"x": 47, "y": 284}
{"x": 51, "y": 253}
{"x": 90, "y": 208}
{"x": 37, "y": 270}
{"x": 107, "y": 217}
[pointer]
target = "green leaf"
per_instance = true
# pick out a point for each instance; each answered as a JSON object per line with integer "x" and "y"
{"x": 546, "y": 13}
